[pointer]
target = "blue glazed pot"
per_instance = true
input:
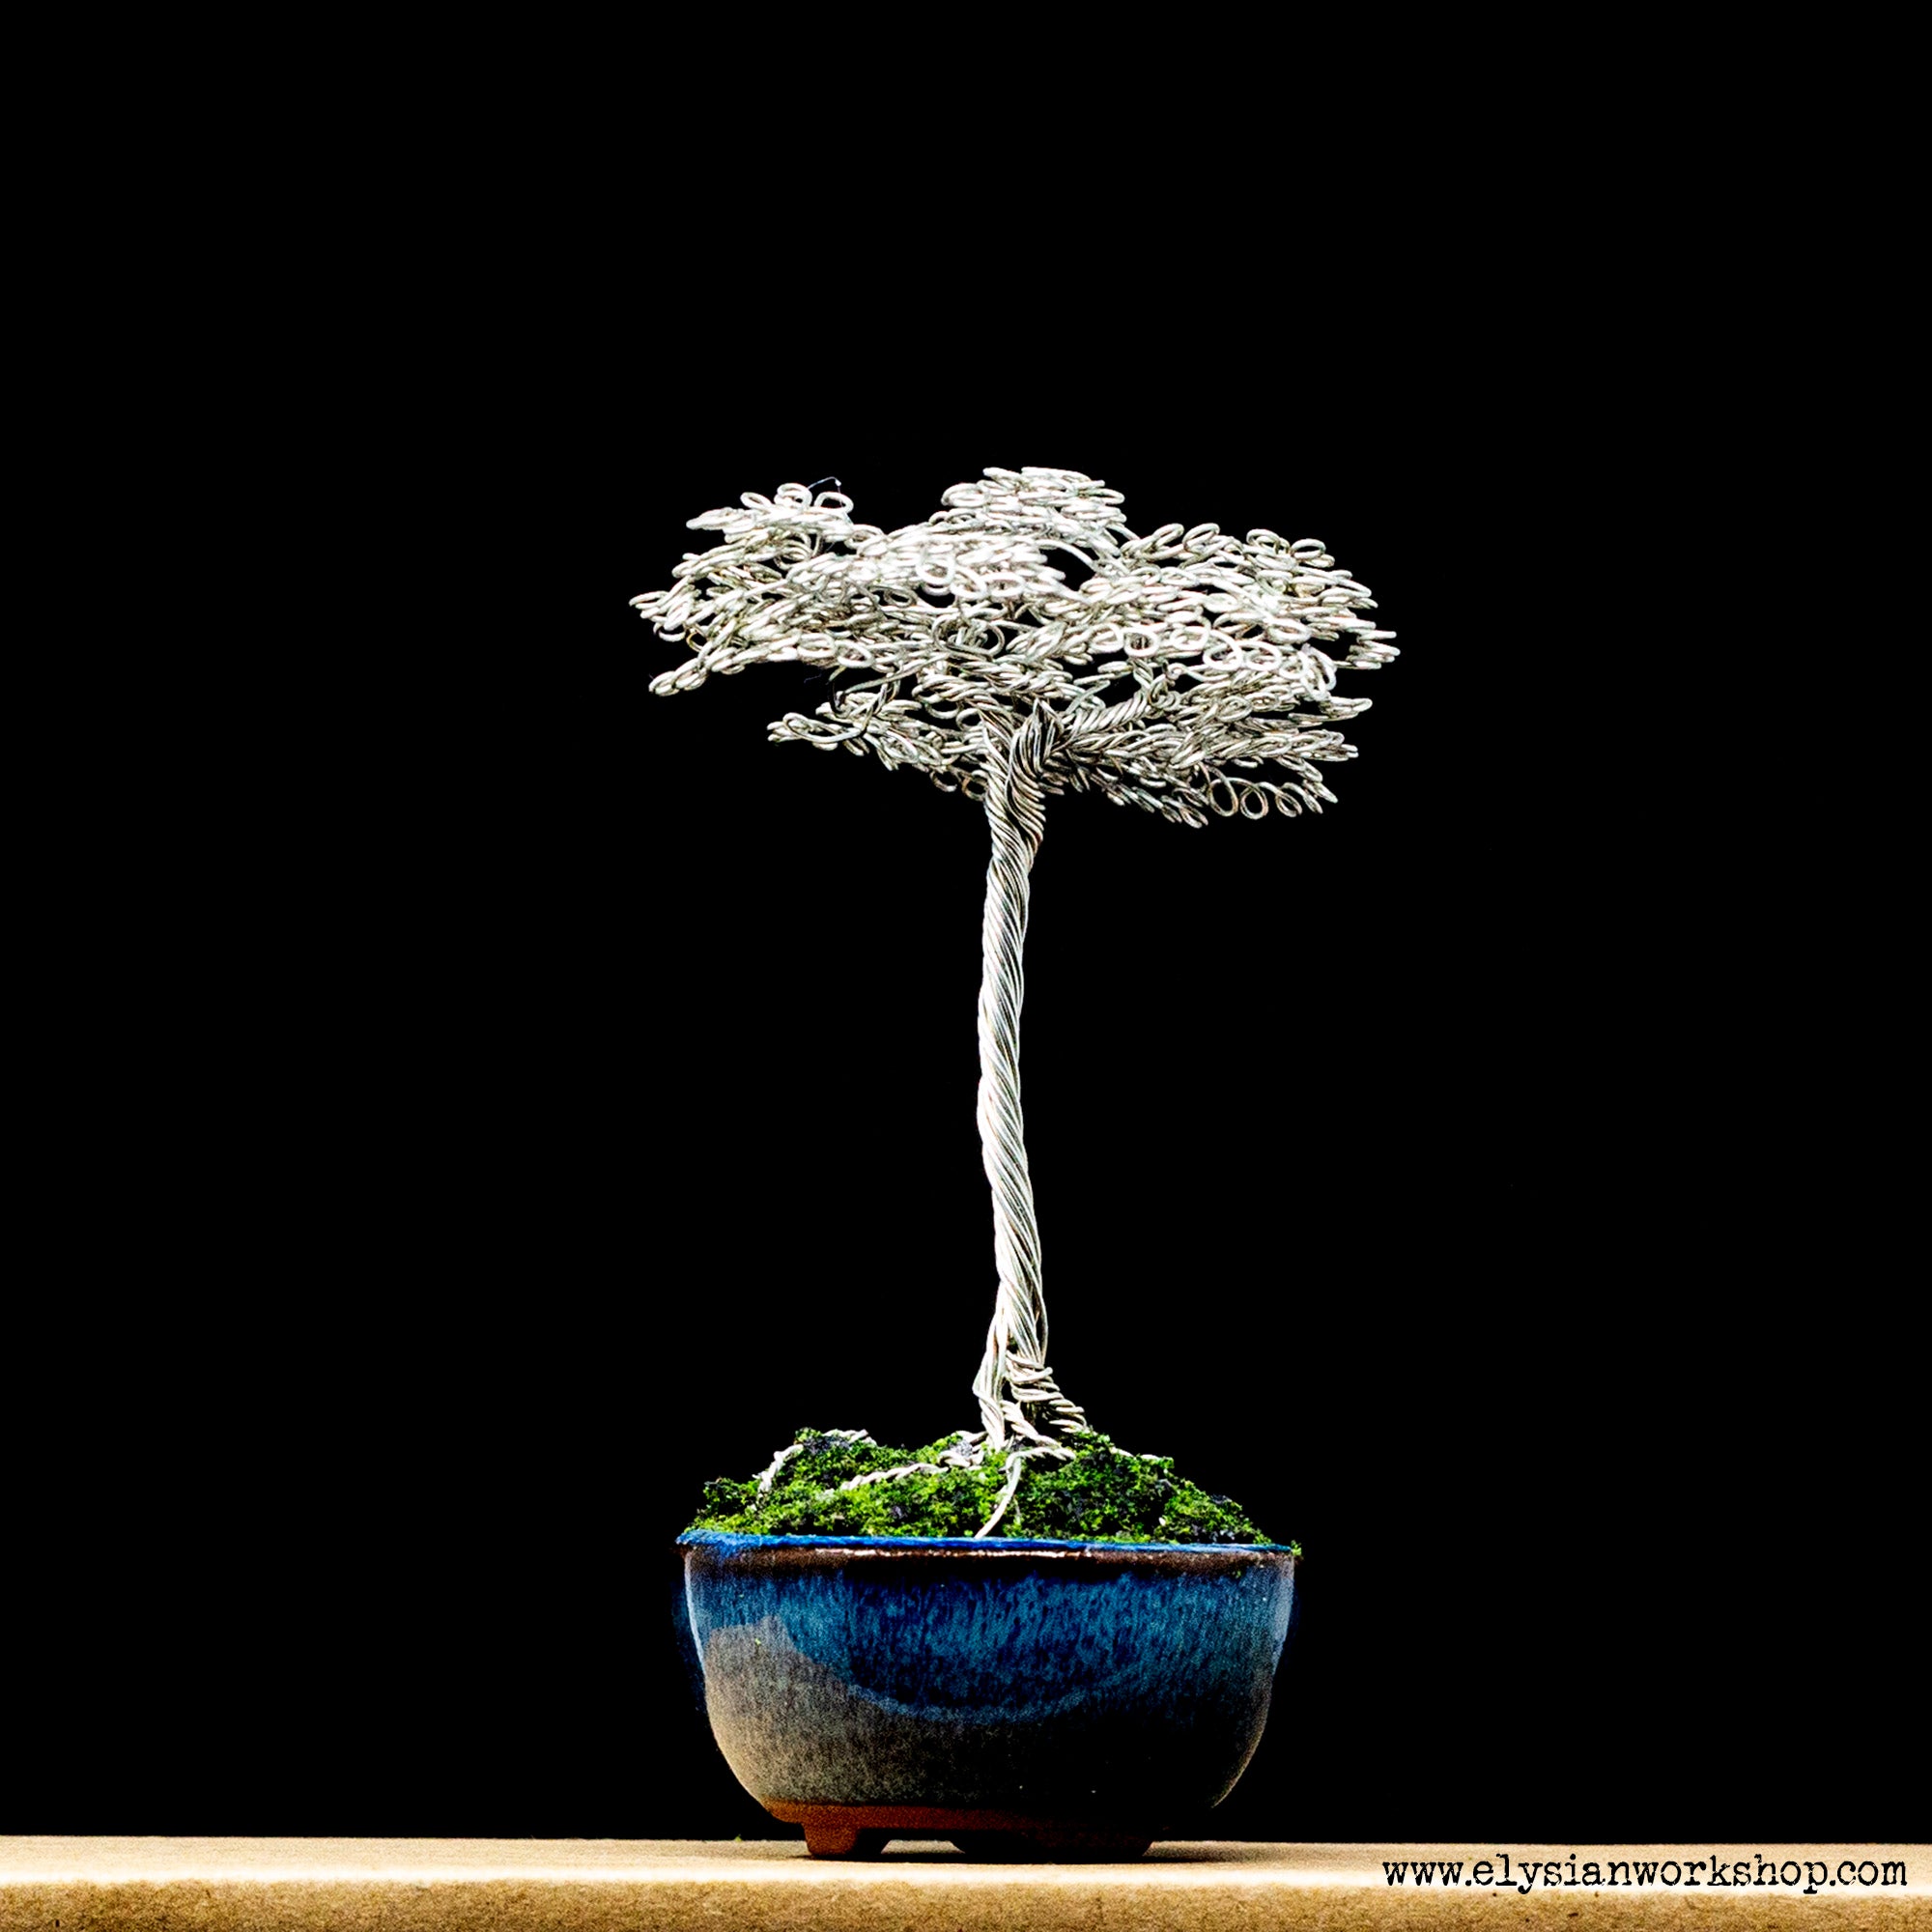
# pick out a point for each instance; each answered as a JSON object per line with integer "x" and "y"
{"x": 1067, "y": 1697}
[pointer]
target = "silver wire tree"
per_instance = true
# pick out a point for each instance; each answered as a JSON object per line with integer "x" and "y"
{"x": 1183, "y": 662}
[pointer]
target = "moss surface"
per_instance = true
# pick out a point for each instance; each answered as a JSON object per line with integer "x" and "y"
{"x": 1104, "y": 1495}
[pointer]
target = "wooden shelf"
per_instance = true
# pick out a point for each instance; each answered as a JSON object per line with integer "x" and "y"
{"x": 265, "y": 1885}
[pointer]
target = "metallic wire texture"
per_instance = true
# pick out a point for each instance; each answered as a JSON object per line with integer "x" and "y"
{"x": 1188, "y": 672}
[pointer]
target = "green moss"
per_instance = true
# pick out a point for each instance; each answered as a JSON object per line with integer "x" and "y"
{"x": 1103, "y": 1494}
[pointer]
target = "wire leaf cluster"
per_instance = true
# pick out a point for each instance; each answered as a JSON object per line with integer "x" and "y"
{"x": 1177, "y": 666}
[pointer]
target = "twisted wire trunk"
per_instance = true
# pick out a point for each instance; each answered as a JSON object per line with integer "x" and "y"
{"x": 1020, "y": 1406}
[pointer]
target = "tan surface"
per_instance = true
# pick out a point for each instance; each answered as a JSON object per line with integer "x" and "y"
{"x": 264, "y": 1885}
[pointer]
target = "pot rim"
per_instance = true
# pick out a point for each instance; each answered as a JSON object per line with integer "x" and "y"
{"x": 984, "y": 1546}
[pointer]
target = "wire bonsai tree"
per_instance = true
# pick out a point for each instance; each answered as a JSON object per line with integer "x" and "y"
{"x": 1189, "y": 672}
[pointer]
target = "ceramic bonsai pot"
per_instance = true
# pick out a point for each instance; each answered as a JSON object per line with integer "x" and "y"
{"x": 1020, "y": 1698}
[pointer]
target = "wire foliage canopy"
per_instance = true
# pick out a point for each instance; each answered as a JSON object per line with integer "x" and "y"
{"x": 1188, "y": 672}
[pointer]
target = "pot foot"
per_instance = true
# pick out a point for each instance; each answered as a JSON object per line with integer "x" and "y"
{"x": 1005, "y": 1838}
{"x": 828, "y": 1838}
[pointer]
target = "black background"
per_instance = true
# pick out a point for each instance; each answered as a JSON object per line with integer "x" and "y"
{"x": 497, "y": 1100}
